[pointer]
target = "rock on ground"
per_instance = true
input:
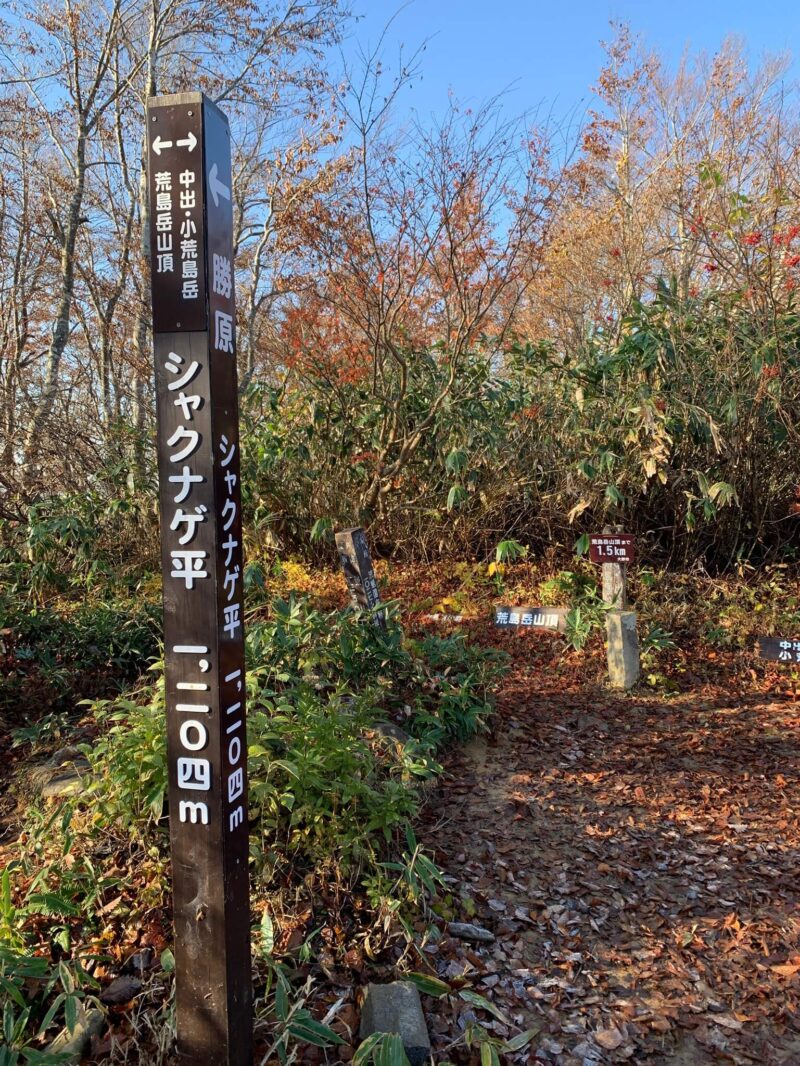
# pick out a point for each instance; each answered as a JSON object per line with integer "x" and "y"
{"x": 75, "y": 1044}
{"x": 396, "y": 1008}
{"x": 121, "y": 990}
{"x": 468, "y": 931}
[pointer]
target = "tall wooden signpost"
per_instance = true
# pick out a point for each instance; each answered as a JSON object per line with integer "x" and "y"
{"x": 191, "y": 245}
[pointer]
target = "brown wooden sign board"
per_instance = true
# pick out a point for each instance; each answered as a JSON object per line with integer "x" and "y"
{"x": 780, "y": 649}
{"x": 552, "y": 618}
{"x": 358, "y": 571}
{"x": 611, "y": 548}
{"x": 191, "y": 244}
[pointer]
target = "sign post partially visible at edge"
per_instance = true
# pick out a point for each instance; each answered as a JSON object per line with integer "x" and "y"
{"x": 780, "y": 649}
{"x": 194, "y": 339}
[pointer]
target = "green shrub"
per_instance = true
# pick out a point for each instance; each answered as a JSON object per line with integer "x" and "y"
{"x": 39, "y": 997}
{"x": 328, "y": 781}
{"x": 56, "y": 656}
{"x": 323, "y": 792}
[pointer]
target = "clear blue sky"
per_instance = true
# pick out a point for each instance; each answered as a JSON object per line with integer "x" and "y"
{"x": 549, "y": 52}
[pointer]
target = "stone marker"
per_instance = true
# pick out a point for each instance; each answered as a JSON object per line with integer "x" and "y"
{"x": 552, "y": 618}
{"x": 615, "y": 585}
{"x": 67, "y": 773}
{"x": 61, "y": 786}
{"x": 622, "y": 640}
{"x": 396, "y": 1008}
{"x": 72, "y": 1045}
{"x": 623, "y": 649}
{"x": 121, "y": 990}
{"x": 391, "y": 731}
{"x": 468, "y": 931}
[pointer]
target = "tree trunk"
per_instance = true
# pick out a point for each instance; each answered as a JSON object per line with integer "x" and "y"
{"x": 61, "y": 325}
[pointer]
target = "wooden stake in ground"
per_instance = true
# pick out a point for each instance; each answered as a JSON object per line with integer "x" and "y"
{"x": 615, "y": 585}
{"x": 358, "y": 571}
{"x": 191, "y": 247}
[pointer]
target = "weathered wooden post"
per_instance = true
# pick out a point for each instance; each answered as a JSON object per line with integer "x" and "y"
{"x": 194, "y": 338}
{"x": 615, "y": 573}
{"x": 614, "y": 550}
{"x": 358, "y": 571}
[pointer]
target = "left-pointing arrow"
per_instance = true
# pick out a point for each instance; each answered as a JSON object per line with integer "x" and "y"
{"x": 158, "y": 144}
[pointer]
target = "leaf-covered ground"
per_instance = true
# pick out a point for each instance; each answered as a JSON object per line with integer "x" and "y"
{"x": 636, "y": 858}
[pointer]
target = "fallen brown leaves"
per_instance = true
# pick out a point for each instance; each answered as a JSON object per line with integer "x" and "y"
{"x": 637, "y": 860}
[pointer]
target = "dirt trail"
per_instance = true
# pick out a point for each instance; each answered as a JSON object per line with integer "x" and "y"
{"x": 637, "y": 860}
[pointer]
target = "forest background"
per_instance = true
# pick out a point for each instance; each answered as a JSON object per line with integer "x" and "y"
{"x": 498, "y": 327}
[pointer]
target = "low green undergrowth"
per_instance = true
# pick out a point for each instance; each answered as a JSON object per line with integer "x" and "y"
{"x": 329, "y": 695}
{"x": 39, "y": 996}
{"x": 53, "y": 656}
{"x": 345, "y": 720}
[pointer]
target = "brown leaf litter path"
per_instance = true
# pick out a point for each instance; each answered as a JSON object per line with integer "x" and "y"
{"x": 637, "y": 861}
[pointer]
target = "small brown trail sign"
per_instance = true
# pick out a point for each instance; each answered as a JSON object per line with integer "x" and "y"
{"x": 191, "y": 246}
{"x": 611, "y": 548}
{"x": 780, "y": 649}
